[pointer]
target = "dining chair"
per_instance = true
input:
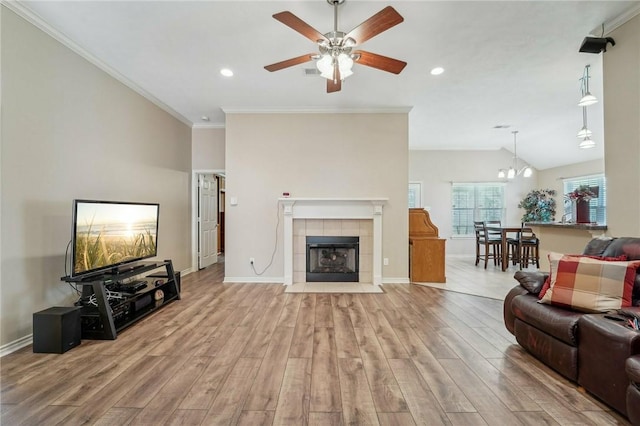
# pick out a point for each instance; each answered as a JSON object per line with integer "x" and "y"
{"x": 489, "y": 242}
{"x": 525, "y": 248}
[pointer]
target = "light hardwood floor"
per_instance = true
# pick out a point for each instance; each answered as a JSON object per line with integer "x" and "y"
{"x": 464, "y": 277}
{"x": 249, "y": 354}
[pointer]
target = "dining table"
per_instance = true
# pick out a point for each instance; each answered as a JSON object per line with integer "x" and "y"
{"x": 504, "y": 250}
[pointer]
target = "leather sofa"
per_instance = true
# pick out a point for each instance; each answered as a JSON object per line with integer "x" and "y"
{"x": 587, "y": 348}
{"x": 633, "y": 390}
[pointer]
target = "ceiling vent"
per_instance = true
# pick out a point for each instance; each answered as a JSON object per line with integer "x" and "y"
{"x": 311, "y": 72}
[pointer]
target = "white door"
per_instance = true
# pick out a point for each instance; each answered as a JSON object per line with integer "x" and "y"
{"x": 207, "y": 220}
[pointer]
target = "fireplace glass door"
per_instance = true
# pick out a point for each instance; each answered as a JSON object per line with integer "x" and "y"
{"x": 332, "y": 259}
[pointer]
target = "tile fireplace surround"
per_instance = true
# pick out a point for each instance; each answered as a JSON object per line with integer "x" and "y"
{"x": 333, "y": 213}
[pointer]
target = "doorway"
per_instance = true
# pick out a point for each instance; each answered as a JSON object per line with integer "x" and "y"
{"x": 207, "y": 218}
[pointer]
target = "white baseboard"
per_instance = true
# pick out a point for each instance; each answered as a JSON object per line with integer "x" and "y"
{"x": 404, "y": 280}
{"x": 15, "y": 345}
{"x": 254, "y": 280}
{"x": 280, "y": 280}
{"x": 186, "y": 272}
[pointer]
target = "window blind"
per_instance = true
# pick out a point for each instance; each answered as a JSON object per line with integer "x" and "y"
{"x": 476, "y": 202}
{"x": 597, "y": 206}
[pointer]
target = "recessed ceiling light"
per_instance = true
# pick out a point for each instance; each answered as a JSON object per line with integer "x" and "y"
{"x": 437, "y": 71}
{"x": 204, "y": 118}
{"x": 226, "y": 72}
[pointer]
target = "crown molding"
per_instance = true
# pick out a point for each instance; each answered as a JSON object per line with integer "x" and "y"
{"x": 616, "y": 22}
{"x": 28, "y": 15}
{"x": 316, "y": 110}
{"x": 208, "y": 126}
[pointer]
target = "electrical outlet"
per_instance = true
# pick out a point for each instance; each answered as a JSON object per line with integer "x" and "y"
{"x": 385, "y": 261}
{"x": 251, "y": 260}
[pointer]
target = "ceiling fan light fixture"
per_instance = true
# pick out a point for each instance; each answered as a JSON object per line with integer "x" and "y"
{"x": 345, "y": 63}
{"x": 348, "y": 42}
{"x": 511, "y": 173}
{"x": 502, "y": 174}
{"x": 336, "y": 58}
{"x": 325, "y": 66}
{"x": 527, "y": 172}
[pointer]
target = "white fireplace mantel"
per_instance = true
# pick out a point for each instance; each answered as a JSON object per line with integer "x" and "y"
{"x": 332, "y": 208}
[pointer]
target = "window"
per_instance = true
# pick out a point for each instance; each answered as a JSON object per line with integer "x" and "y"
{"x": 415, "y": 194}
{"x": 597, "y": 206}
{"x": 475, "y": 202}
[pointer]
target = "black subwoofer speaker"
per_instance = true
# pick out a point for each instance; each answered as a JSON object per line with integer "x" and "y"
{"x": 56, "y": 330}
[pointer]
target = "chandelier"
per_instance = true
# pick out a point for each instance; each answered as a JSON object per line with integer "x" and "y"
{"x": 514, "y": 171}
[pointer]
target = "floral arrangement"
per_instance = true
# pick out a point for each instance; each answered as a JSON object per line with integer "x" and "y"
{"x": 539, "y": 206}
{"x": 581, "y": 193}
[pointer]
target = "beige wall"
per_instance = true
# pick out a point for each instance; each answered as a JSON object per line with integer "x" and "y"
{"x": 564, "y": 240}
{"x": 621, "y": 65}
{"x": 553, "y": 178}
{"x": 437, "y": 170}
{"x": 311, "y": 155}
{"x": 207, "y": 149}
{"x": 71, "y": 131}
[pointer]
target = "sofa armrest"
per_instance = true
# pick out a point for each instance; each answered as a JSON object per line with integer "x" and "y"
{"x": 532, "y": 281}
{"x": 507, "y": 311}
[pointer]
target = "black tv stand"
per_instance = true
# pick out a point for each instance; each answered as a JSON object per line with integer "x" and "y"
{"x": 105, "y": 311}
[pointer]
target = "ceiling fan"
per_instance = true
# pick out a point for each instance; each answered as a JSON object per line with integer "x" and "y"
{"x": 336, "y": 55}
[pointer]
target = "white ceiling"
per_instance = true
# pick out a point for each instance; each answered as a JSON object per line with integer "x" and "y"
{"x": 506, "y": 62}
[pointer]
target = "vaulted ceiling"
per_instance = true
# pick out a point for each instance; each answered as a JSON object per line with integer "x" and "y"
{"x": 513, "y": 63}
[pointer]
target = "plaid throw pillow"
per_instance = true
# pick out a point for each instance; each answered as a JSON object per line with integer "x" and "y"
{"x": 590, "y": 285}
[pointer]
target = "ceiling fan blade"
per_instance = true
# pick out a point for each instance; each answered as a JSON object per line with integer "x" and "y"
{"x": 380, "y": 62}
{"x": 297, "y": 24}
{"x": 381, "y": 21}
{"x": 335, "y": 84}
{"x": 290, "y": 62}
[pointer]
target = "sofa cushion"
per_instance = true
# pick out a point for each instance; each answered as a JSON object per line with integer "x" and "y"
{"x": 590, "y": 285}
{"x": 558, "y": 322}
{"x": 597, "y": 246}
{"x": 625, "y": 245}
{"x": 531, "y": 280}
{"x": 554, "y": 269}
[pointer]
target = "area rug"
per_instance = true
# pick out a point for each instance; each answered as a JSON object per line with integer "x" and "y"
{"x": 333, "y": 288}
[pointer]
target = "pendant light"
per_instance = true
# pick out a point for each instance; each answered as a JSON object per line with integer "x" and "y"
{"x": 587, "y": 98}
{"x": 513, "y": 171}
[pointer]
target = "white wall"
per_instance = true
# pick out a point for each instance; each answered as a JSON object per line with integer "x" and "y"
{"x": 311, "y": 155}
{"x": 71, "y": 131}
{"x": 437, "y": 170}
{"x": 207, "y": 148}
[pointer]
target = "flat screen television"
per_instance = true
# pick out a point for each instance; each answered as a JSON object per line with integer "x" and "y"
{"x": 108, "y": 234}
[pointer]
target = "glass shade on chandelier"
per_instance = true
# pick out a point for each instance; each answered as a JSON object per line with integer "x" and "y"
{"x": 326, "y": 62}
{"x": 513, "y": 171}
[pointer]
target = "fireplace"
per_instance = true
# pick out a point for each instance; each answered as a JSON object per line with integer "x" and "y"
{"x": 332, "y": 259}
{"x": 351, "y": 210}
